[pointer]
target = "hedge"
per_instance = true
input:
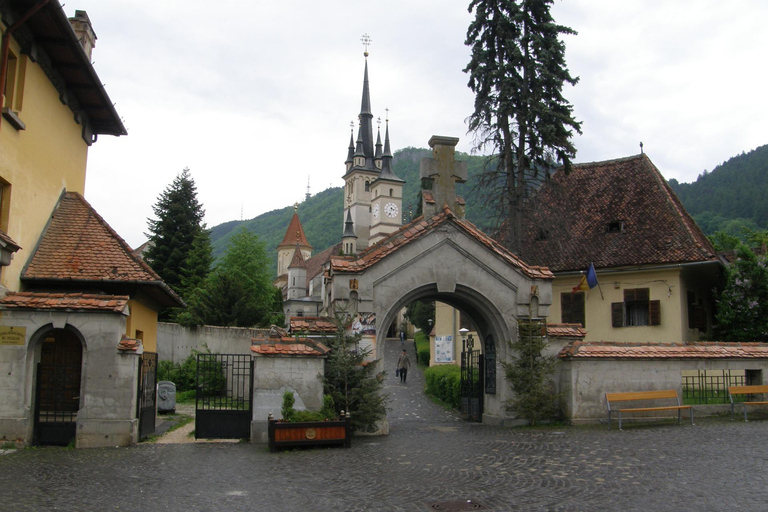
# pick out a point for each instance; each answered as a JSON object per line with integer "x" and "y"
{"x": 421, "y": 341}
{"x": 443, "y": 382}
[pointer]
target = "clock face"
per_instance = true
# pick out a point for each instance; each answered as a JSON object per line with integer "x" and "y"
{"x": 391, "y": 210}
{"x": 375, "y": 211}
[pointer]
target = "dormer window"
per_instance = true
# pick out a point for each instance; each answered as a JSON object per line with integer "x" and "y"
{"x": 542, "y": 234}
{"x": 617, "y": 226}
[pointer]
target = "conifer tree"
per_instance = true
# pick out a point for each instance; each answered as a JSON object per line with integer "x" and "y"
{"x": 517, "y": 72}
{"x": 172, "y": 233}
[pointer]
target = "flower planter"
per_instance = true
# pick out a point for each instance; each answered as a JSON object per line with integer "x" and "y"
{"x": 309, "y": 433}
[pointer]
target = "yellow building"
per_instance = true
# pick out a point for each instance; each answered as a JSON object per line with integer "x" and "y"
{"x": 78, "y": 310}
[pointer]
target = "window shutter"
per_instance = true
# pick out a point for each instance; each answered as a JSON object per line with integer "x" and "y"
{"x": 654, "y": 308}
{"x": 565, "y": 308}
{"x": 617, "y": 314}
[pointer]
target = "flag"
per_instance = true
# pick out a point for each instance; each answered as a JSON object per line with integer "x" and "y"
{"x": 588, "y": 280}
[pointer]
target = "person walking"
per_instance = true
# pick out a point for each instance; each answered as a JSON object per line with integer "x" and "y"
{"x": 403, "y": 363}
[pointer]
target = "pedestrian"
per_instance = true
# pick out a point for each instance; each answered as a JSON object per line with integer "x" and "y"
{"x": 402, "y": 339}
{"x": 403, "y": 363}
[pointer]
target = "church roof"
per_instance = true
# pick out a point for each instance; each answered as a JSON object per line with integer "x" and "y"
{"x": 78, "y": 247}
{"x": 295, "y": 234}
{"x": 422, "y": 226}
{"x": 614, "y": 213}
{"x": 298, "y": 260}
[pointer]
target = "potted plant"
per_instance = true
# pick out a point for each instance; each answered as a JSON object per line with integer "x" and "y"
{"x": 309, "y": 428}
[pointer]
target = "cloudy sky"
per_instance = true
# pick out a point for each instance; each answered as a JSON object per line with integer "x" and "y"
{"x": 257, "y": 97}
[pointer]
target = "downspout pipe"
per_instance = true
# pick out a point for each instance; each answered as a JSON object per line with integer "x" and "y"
{"x": 5, "y": 49}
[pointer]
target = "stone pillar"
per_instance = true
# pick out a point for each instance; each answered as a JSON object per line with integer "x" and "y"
{"x": 443, "y": 172}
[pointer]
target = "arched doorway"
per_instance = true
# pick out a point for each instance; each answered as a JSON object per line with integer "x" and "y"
{"x": 57, "y": 390}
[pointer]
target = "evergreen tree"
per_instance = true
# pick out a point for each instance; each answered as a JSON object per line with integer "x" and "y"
{"x": 517, "y": 72}
{"x": 742, "y": 309}
{"x": 353, "y": 382}
{"x": 238, "y": 292}
{"x": 171, "y": 235}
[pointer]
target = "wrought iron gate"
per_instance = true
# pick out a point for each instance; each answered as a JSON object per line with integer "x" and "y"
{"x": 56, "y": 403}
{"x": 146, "y": 408}
{"x": 471, "y": 381}
{"x": 223, "y": 404}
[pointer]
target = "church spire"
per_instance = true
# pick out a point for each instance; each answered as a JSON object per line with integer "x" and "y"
{"x": 366, "y": 117}
{"x": 386, "y": 159}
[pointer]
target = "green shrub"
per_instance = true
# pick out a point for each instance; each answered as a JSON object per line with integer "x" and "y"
{"x": 443, "y": 382}
{"x": 328, "y": 412}
{"x": 422, "y": 348}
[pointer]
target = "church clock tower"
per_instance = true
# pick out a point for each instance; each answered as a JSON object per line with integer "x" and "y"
{"x": 387, "y": 192}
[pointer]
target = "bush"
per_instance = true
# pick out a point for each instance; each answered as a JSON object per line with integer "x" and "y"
{"x": 443, "y": 383}
{"x": 328, "y": 412}
{"x": 422, "y": 348}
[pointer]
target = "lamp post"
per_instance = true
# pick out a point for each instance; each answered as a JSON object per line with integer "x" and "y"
{"x": 430, "y": 327}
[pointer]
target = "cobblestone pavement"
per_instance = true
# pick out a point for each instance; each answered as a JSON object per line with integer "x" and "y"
{"x": 430, "y": 461}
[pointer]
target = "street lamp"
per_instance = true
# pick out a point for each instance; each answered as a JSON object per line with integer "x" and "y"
{"x": 430, "y": 327}
{"x": 467, "y": 343}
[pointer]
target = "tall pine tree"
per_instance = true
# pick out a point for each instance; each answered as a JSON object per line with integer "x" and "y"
{"x": 172, "y": 234}
{"x": 517, "y": 72}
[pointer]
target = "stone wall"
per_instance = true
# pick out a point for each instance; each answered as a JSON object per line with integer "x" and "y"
{"x": 273, "y": 376}
{"x": 176, "y": 343}
{"x": 586, "y": 381}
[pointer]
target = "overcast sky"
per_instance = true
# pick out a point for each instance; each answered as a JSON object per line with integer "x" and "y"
{"x": 257, "y": 97}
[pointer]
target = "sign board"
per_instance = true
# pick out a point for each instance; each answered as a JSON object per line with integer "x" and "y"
{"x": 13, "y": 335}
{"x": 443, "y": 349}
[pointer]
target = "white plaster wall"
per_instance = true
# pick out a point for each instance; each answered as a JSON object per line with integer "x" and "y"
{"x": 176, "y": 343}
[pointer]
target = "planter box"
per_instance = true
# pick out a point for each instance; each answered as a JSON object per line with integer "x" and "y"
{"x": 309, "y": 433}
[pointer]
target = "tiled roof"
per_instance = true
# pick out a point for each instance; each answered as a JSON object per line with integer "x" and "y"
{"x": 566, "y": 331}
{"x": 8, "y": 242}
{"x": 701, "y": 350}
{"x": 316, "y": 263}
{"x": 289, "y": 346}
{"x": 295, "y": 234}
{"x": 128, "y": 344}
{"x": 78, "y": 246}
{"x": 64, "y": 301}
{"x": 312, "y": 324}
{"x": 298, "y": 260}
{"x": 422, "y": 226}
{"x": 567, "y": 228}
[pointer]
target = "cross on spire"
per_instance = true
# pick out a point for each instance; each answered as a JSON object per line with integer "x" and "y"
{"x": 366, "y": 40}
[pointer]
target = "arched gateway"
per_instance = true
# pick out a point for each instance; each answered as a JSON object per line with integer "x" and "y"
{"x": 441, "y": 256}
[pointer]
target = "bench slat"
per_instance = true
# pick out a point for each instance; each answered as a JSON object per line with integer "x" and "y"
{"x": 747, "y": 390}
{"x": 640, "y": 395}
{"x": 666, "y": 408}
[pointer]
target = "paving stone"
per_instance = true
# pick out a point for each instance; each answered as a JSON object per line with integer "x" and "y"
{"x": 430, "y": 457}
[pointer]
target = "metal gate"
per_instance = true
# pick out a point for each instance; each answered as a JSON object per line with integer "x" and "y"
{"x": 471, "y": 381}
{"x": 223, "y": 403}
{"x": 146, "y": 408}
{"x": 56, "y": 404}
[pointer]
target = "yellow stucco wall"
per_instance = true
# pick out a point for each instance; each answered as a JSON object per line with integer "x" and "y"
{"x": 143, "y": 319}
{"x": 448, "y": 323}
{"x": 665, "y": 286}
{"x": 37, "y": 163}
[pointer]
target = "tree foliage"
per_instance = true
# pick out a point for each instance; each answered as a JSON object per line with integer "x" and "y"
{"x": 238, "y": 292}
{"x": 530, "y": 374}
{"x": 742, "y": 309}
{"x": 172, "y": 234}
{"x": 419, "y": 313}
{"x": 517, "y": 72}
{"x": 353, "y": 382}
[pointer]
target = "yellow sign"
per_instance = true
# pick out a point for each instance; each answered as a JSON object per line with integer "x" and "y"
{"x": 13, "y": 335}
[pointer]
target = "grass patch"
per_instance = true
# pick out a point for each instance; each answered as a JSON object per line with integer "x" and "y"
{"x": 185, "y": 397}
{"x": 421, "y": 341}
{"x": 184, "y": 420}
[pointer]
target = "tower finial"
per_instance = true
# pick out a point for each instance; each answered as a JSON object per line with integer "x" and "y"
{"x": 296, "y": 207}
{"x": 641, "y": 147}
{"x": 366, "y": 39}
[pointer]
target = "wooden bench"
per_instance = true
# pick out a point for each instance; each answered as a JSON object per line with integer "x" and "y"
{"x": 746, "y": 390}
{"x": 634, "y": 396}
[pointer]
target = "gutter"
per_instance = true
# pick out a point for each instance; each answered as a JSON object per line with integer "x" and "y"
{"x": 641, "y": 269}
{"x": 5, "y": 48}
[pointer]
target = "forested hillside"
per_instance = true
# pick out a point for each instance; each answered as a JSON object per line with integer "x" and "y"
{"x": 322, "y": 214}
{"x": 731, "y": 196}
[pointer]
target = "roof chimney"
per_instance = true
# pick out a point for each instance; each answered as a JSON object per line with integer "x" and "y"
{"x": 84, "y": 31}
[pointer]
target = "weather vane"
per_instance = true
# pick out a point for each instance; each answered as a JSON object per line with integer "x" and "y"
{"x": 387, "y": 111}
{"x": 366, "y": 39}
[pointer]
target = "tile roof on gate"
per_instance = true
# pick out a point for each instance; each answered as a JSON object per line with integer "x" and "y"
{"x": 277, "y": 345}
{"x": 64, "y": 301}
{"x": 566, "y": 331}
{"x": 422, "y": 226}
{"x": 312, "y": 325}
{"x": 567, "y": 227}
{"x": 78, "y": 246}
{"x": 699, "y": 350}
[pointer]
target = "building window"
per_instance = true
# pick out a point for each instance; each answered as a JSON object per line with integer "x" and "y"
{"x": 616, "y": 226}
{"x": 572, "y": 308}
{"x": 367, "y": 186}
{"x": 697, "y": 315}
{"x": 139, "y": 335}
{"x": 636, "y": 310}
{"x": 391, "y": 192}
{"x": 300, "y": 313}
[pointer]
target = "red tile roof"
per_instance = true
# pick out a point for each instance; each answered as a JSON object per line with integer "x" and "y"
{"x": 128, "y": 344}
{"x": 298, "y": 260}
{"x": 316, "y": 263}
{"x": 295, "y": 234}
{"x": 289, "y": 346}
{"x": 700, "y": 350}
{"x": 420, "y": 227}
{"x": 566, "y": 331}
{"x": 64, "y": 301}
{"x": 8, "y": 241}
{"x": 568, "y": 227}
{"x": 78, "y": 246}
{"x": 312, "y": 325}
